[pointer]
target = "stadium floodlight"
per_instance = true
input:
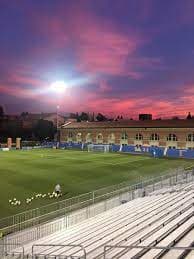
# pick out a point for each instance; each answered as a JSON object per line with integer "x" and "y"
{"x": 58, "y": 87}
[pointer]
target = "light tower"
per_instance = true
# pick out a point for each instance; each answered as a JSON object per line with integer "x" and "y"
{"x": 57, "y": 119}
{"x": 58, "y": 88}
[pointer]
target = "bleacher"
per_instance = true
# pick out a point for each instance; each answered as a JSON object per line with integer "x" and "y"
{"x": 164, "y": 218}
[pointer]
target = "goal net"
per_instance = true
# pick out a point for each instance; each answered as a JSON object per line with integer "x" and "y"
{"x": 98, "y": 148}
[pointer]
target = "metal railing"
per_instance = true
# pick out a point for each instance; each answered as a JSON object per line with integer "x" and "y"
{"x": 49, "y": 212}
{"x": 9, "y": 246}
{"x": 35, "y": 255}
{"x": 104, "y": 203}
{"x": 190, "y": 248}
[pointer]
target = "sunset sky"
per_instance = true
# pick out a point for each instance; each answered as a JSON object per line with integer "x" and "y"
{"x": 115, "y": 56}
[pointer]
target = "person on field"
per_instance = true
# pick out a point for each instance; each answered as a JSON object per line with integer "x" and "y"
{"x": 58, "y": 189}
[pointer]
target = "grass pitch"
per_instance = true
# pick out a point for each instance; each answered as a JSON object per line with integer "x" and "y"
{"x": 25, "y": 173}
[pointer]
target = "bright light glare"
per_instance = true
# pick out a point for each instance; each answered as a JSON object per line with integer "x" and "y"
{"x": 58, "y": 87}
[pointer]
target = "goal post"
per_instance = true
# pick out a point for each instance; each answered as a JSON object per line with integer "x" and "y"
{"x": 99, "y": 148}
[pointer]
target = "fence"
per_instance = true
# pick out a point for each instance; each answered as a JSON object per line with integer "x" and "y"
{"x": 49, "y": 212}
{"x": 98, "y": 203}
{"x": 4, "y": 247}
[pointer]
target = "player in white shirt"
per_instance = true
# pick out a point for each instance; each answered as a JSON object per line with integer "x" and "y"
{"x": 58, "y": 189}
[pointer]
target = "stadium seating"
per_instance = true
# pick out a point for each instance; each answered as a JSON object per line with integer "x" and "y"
{"x": 164, "y": 218}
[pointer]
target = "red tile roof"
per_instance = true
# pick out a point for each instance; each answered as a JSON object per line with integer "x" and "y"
{"x": 132, "y": 124}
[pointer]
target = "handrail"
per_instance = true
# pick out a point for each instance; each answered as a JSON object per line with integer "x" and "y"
{"x": 147, "y": 247}
{"x": 39, "y": 217}
{"x": 14, "y": 244}
{"x": 55, "y": 245}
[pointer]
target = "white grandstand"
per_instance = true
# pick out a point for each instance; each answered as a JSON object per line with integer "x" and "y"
{"x": 159, "y": 225}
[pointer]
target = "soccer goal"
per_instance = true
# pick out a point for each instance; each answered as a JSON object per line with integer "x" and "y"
{"x": 98, "y": 148}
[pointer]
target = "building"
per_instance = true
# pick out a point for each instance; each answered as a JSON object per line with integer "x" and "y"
{"x": 31, "y": 119}
{"x": 145, "y": 116}
{"x": 162, "y": 133}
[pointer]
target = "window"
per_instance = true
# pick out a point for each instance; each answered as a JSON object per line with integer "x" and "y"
{"x": 124, "y": 135}
{"x": 190, "y": 137}
{"x": 79, "y": 137}
{"x": 172, "y": 137}
{"x": 154, "y": 136}
{"x": 139, "y": 136}
{"x": 89, "y": 138}
{"x": 70, "y": 135}
{"x": 111, "y": 136}
{"x": 99, "y": 136}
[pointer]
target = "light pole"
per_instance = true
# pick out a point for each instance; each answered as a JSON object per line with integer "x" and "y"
{"x": 57, "y": 120}
{"x": 58, "y": 87}
{"x": 57, "y": 117}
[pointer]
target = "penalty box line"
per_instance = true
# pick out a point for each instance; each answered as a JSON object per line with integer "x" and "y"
{"x": 123, "y": 162}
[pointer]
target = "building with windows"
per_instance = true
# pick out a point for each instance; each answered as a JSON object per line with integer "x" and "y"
{"x": 162, "y": 133}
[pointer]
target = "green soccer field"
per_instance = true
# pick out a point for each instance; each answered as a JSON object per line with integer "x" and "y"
{"x": 25, "y": 173}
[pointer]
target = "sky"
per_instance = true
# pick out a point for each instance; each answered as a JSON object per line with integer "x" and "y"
{"x": 116, "y": 57}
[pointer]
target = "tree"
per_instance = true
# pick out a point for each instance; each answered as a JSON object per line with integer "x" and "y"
{"x": 1, "y": 111}
{"x": 77, "y": 117}
{"x": 84, "y": 116}
{"x": 13, "y": 129}
{"x": 189, "y": 116}
{"x": 44, "y": 130}
{"x": 93, "y": 117}
{"x": 175, "y": 118}
{"x": 73, "y": 115}
{"x": 23, "y": 114}
{"x": 101, "y": 117}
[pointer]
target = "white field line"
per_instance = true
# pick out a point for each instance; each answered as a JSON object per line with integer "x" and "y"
{"x": 96, "y": 160}
{"x": 124, "y": 162}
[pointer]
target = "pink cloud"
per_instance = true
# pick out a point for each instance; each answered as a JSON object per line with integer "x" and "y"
{"x": 104, "y": 51}
{"x": 99, "y": 47}
{"x": 104, "y": 86}
{"x": 95, "y": 102}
